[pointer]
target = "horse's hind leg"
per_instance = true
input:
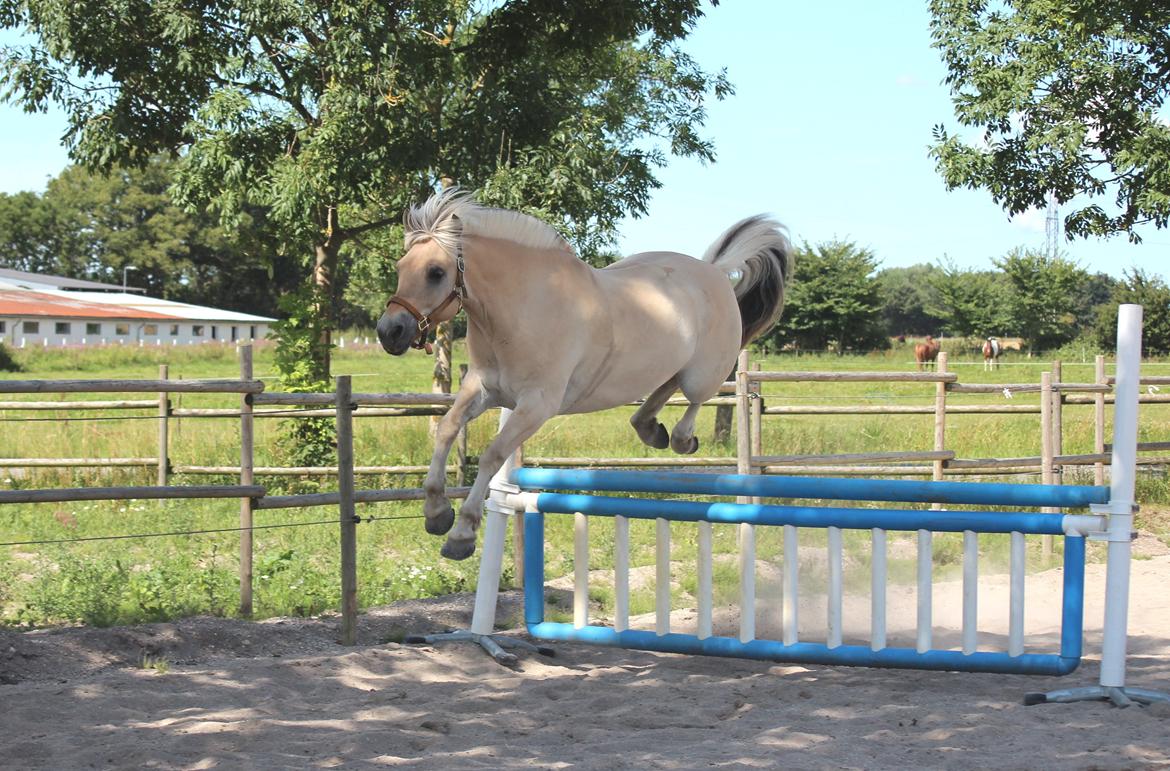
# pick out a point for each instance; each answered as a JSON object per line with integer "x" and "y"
{"x": 682, "y": 438}
{"x": 645, "y": 420}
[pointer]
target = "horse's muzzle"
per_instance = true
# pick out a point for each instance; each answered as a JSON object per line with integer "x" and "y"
{"x": 395, "y": 331}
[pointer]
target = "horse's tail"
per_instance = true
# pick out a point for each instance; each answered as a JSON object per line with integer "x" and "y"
{"x": 758, "y": 250}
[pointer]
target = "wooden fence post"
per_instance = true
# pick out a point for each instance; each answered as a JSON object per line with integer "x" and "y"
{"x": 1099, "y": 419}
{"x": 247, "y": 459}
{"x": 441, "y": 375}
{"x": 461, "y": 441}
{"x": 940, "y": 420}
{"x": 347, "y": 514}
{"x": 1057, "y": 423}
{"x": 1046, "y": 450}
{"x": 164, "y": 411}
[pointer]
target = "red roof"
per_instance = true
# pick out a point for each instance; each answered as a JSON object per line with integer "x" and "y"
{"x": 23, "y": 303}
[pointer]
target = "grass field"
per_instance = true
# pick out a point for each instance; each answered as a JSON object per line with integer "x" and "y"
{"x": 134, "y": 579}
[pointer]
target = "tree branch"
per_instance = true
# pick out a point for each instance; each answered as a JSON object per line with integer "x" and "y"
{"x": 291, "y": 96}
{"x": 359, "y": 229}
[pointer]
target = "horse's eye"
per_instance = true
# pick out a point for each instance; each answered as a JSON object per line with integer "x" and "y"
{"x": 435, "y": 274}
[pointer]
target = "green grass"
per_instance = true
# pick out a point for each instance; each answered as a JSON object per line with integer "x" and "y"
{"x": 295, "y": 568}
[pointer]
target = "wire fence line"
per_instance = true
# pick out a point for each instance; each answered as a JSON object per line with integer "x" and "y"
{"x": 125, "y": 536}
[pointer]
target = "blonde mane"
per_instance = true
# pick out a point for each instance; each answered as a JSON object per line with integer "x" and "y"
{"x": 453, "y": 213}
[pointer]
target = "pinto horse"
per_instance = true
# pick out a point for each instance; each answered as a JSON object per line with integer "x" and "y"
{"x": 547, "y": 334}
{"x": 926, "y": 351}
{"x": 991, "y": 352}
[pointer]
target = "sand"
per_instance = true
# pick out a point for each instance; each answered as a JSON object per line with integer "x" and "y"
{"x": 283, "y": 694}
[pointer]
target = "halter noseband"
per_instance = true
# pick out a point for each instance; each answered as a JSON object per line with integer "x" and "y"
{"x": 458, "y": 293}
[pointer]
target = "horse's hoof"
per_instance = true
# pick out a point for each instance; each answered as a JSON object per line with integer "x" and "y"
{"x": 661, "y": 439}
{"x": 441, "y": 524}
{"x": 458, "y": 549}
{"x": 690, "y": 448}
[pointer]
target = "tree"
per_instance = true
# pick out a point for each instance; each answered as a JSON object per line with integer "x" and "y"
{"x": 332, "y": 116}
{"x": 1043, "y": 291}
{"x": 906, "y": 294}
{"x": 1153, "y": 294}
{"x": 833, "y": 302}
{"x": 1068, "y": 97}
{"x": 92, "y": 225}
{"x": 969, "y": 303}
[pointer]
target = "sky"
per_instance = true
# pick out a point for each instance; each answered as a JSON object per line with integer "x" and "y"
{"x": 828, "y": 131}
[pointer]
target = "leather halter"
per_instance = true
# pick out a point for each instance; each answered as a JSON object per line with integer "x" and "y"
{"x": 458, "y": 293}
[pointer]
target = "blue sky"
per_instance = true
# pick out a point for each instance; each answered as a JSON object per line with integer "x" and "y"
{"x": 828, "y": 131}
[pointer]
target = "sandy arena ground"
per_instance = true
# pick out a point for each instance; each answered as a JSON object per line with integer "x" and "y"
{"x": 283, "y": 694}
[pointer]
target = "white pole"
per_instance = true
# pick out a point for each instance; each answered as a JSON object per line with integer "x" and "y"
{"x": 662, "y": 576}
{"x": 491, "y": 562}
{"x": 877, "y": 588}
{"x": 925, "y": 570}
{"x": 704, "y": 589}
{"x": 1016, "y": 606}
{"x": 835, "y": 588}
{"x": 791, "y": 603}
{"x": 747, "y": 582}
{"x": 970, "y": 592}
{"x": 580, "y": 571}
{"x": 1121, "y": 495}
{"x": 621, "y": 574}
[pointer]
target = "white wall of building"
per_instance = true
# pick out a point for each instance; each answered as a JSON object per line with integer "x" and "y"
{"x": 60, "y": 331}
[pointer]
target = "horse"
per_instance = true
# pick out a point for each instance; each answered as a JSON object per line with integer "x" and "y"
{"x": 991, "y": 353}
{"x": 548, "y": 334}
{"x": 926, "y": 351}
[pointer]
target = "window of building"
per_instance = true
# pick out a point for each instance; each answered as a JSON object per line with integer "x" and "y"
{"x": 150, "y": 329}
{"x": 252, "y": 333}
{"x": 214, "y": 332}
{"x": 62, "y": 328}
{"x": 3, "y": 327}
{"x": 121, "y": 328}
{"x": 93, "y": 329}
{"x": 30, "y": 327}
{"x": 174, "y": 330}
{"x": 235, "y": 333}
{"x": 197, "y": 330}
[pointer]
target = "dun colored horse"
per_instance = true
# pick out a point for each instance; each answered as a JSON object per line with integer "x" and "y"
{"x": 927, "y": 351}
{"x": 991, "y": 351}
{"x": 547, "y": 334}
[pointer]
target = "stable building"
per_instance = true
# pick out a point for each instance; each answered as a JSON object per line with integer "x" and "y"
{"x": 57, "y": 311}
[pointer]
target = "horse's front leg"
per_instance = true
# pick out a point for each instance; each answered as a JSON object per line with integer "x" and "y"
{"x": 533, "y": 408}
{"x": 469, "y": 404}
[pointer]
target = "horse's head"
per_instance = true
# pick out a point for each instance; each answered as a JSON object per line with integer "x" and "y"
{"x": 430, "y": 290}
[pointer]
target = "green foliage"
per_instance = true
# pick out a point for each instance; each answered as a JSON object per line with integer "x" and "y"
{"x": 1067, "y": 99}
{"x": 301, "y": 355}
{"x": 1044, "y": 289}
{"x": 907, "y": 294}
{"x": 7, "y": 362}
{"x": 329, "y": 118}
{"x": 969, "y": 303}
{"x": 833, "y": 301}
{"x": 1153, "y": 294}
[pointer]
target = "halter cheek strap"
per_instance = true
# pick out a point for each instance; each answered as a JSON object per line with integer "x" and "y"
{"x": 458, "y": 293}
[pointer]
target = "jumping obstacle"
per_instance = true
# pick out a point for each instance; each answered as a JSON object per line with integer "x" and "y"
{"x": 539, "y": 492}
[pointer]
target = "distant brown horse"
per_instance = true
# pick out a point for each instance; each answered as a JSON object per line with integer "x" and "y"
{"x": 927, "y": 351}
{"x": 991, "y": 352}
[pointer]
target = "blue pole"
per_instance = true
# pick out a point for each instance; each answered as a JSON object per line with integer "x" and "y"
{"x": 981, "y": 493}
{"x": 1073, "y": 613}
{"x": 804, "y": 516}
{"x": 810, "y": 653}
{"x": 533, "y": 567}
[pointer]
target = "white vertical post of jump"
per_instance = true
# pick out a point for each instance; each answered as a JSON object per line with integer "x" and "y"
{"x": 705, "y": 589}
{"x": 925, "y": 571}
{"x": 1019, "y": 555}
{"x": 661, "y": 576}
{"x": 580, "y": 571}
{"x": 491, "y": 563}
{"x": 835, "y": 588}
{"x": 1121, "y": 495}
{"x": 621, "y": 573}
{"x": 791, "y": 601}
{"x": 970, "y": 591}
{"x": 877, "y": 591}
